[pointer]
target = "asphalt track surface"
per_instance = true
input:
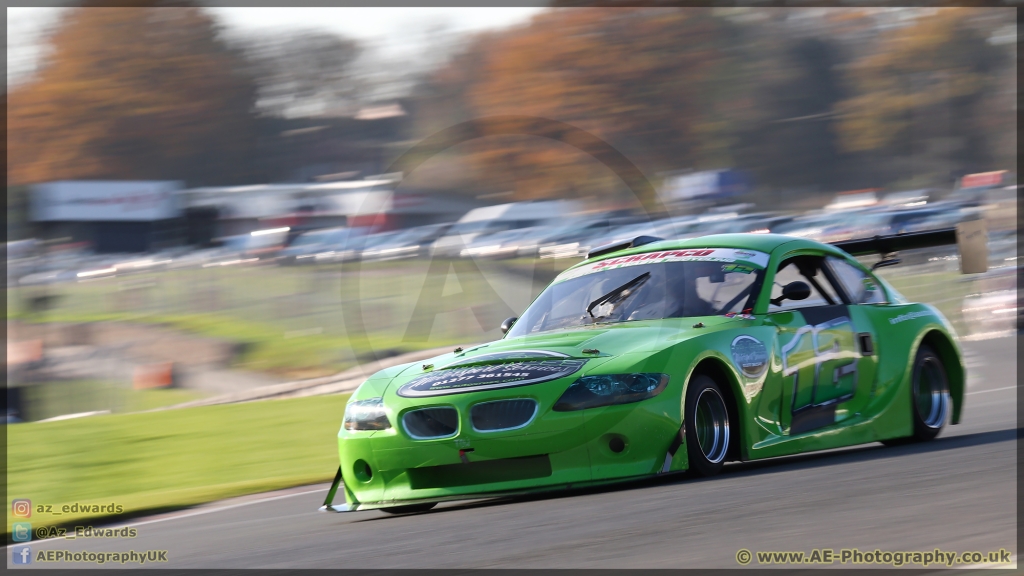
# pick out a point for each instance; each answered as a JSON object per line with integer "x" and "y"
{"x": 957, "y": 493}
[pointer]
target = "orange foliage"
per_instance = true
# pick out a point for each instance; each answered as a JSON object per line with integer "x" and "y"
{"x": 936, "y": 62}
{"x": 637, "y": 78}
{"x": 131, "y": 93}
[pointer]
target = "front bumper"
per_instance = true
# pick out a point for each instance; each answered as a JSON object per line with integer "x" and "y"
{"x": 556, "y": 450}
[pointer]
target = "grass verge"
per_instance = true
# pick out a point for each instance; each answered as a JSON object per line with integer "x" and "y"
{"x": 265, "y": 349}
{"x": 157, "y": 461}
{"x": 48, "y": 399}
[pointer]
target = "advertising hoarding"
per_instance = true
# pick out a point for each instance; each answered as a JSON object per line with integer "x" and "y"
{"x": 104, "y": 201}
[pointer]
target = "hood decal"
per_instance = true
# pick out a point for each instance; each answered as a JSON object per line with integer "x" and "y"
{"x": 490, "y": 377}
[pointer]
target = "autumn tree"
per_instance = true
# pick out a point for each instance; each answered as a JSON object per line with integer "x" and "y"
{"x": 638, "y": 78}
{"x": 919, "y": 96}
{"x": 134, "y": 93}
{"x": 811, "y": 101}
{"x": 787, "y": 90}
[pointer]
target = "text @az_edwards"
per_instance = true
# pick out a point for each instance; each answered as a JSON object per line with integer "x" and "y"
{"x": 891, "y": 558}
{"x": 44, "y": 532}
{"x": 76, "y": 508}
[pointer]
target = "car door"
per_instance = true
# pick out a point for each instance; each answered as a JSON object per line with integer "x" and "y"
{"x": 867, "y": 307}
{"x": 823, "y": 372}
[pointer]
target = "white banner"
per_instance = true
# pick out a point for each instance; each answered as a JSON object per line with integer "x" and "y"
{"x": 98, "y": 201}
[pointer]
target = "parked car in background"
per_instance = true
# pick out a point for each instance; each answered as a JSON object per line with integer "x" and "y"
{"x": 816, "y": 225}
{"x": 757, "y": 223}
{"x": 573, "y": 239}
{"x": 258, "y": 243}
{"x": 505, "y": 244}
{"x": 901, "y": 222}
{"x": 409, "y": 243}
{"x": 661, "y": 228}
{"x": 327, "y": 244}
{"x": 491, "y": 219}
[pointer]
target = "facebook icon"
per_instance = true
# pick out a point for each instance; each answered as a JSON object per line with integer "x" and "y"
{"x": 22, "y": 555}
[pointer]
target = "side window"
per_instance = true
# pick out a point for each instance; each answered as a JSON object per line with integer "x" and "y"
{"x": 731, "y": 292}
{"x": 790, "y": 272}
{"x": 861, "y": 287}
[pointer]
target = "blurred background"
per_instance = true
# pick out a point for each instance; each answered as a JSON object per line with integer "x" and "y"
{"x": 203, "y": 201}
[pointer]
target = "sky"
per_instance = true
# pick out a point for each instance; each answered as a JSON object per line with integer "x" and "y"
{"x": 370, "y": 23}
{"x": 390, "y": 29}
{"x": 363, "y": 23}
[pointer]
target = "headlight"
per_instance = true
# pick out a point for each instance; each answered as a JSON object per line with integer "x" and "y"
{"x": 606, "y": 390}
{"x": 366, "y": 415}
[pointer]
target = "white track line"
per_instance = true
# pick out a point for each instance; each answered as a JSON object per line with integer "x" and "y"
{"x": 176, "y": 516}
{"x": 992, "y": 390}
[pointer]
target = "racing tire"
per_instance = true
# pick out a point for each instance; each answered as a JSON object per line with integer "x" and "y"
{"x": 929, "y": 396}
{"x": 707, "y": 423}
{"x": 409, "y": 509}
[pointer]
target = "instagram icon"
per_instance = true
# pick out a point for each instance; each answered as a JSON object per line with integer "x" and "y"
{"x": 21, "y": 508}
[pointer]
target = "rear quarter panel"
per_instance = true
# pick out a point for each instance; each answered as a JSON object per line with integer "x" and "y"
{"x": 907, "y": 327}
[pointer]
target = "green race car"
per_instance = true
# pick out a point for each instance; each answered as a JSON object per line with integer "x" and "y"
{"x": 653, "y": 357}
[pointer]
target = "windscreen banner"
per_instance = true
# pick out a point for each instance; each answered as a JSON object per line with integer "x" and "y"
{"x": 739, "y": 256}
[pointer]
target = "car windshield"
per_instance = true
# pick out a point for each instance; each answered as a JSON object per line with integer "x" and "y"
{"x": 654, "y": 285}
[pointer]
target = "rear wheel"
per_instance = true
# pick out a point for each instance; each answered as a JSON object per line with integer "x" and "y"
{"x": 929, "y": 389}
{"x": 707, "y": 426}
{"x": 409, "y": 509}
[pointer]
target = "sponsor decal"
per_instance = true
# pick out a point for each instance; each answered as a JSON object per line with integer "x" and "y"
{"x": 476, "y": 378}
{"x": 737, "y": 269}
{"x": 750, "y": 354}
{"x": 726, "y": 255}
{"x": 822, "y": 360}
{"x": 908, "y": 316}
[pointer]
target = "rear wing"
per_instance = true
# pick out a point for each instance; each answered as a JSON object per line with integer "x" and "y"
{"x": 970, "y": 238}
{"x": 622, "y": 245}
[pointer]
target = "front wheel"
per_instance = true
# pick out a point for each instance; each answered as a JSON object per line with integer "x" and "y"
{"x": 707, "y": 426}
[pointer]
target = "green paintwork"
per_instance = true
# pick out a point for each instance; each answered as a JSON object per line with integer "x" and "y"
{"x": 874, "y": 394}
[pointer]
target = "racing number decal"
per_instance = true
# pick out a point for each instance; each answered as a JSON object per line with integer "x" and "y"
{"x": 819, "y": 364}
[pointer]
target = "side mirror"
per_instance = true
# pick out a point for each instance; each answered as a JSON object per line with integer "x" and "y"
{"x": 793, "y": 291}
{"x": 507, "y": 324}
